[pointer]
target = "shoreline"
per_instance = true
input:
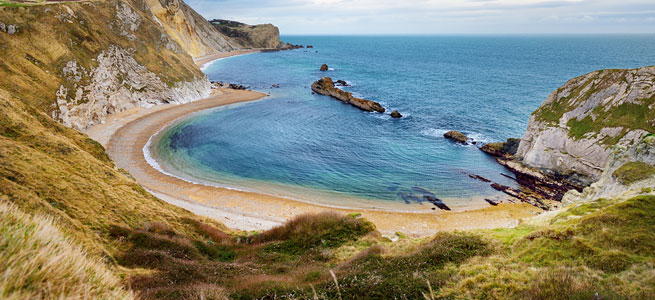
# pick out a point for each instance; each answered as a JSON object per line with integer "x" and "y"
{"x": 205, "y": 61}
{"x": 126, "y": 134}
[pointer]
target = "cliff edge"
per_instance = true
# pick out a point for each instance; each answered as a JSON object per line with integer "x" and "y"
{"x": 573, "y": 131}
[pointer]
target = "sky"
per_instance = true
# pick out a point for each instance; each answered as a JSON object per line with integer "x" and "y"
{"x": 340, "y": 17}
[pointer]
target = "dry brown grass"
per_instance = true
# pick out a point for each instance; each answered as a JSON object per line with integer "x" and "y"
{"x": 38, "y": 262}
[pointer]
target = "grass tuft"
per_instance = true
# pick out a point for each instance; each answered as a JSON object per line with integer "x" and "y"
{"x": 39, "y": 262}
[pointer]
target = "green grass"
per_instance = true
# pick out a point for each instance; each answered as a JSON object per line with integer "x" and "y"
{"x": 630, "y": 116}
{"x": 601, "y": 251}
{"x": 632, "y": 172}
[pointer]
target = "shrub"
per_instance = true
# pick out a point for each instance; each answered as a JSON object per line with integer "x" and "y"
{"x": 328, "y": 230}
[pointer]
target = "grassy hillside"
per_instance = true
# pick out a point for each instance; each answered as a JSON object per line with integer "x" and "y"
{"x": 164, "y": 252}
{"x": 49, "y": 36}
{"x": 39, "y": 262}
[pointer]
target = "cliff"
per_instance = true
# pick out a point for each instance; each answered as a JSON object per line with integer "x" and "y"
{"x": 189, "y": 29}
{"x": 573, "y": 131}
{"x": 249, "y": 36}
{"x": 82, "y": 61}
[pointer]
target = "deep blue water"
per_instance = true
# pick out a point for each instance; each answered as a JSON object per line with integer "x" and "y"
{"x": 484, "y": 86}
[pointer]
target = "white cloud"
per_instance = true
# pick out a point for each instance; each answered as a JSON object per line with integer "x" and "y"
{"x": 438, "y": 16}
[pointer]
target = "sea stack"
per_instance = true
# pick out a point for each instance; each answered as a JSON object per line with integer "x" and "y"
{"x": 396, "y": 115}
{"x": 325, "y": 86}
{"x": 324, "y": 67}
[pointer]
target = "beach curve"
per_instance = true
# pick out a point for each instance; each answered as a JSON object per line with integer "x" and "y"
{"x": 126, "y": 134}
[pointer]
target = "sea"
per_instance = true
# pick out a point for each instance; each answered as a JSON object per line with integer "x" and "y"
{"x": 310, "y": 147}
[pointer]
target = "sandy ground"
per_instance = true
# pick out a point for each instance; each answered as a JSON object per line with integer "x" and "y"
{"x": 125, "y": 135}
{"x": 202, "y": 61}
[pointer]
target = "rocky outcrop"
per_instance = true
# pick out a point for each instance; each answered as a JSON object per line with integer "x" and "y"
{"x": 324, "y": 68}
{"x": 396, "y": 115}
{"x": 504, "y": 150}
{"x": 630, "y": 171}
{"x": 573, "y": 132}
{"x": 249, "y": 36}
{"x": 325, "y": 86}
{"x": 118, "y": 83}
{"x": 456, "y": 136}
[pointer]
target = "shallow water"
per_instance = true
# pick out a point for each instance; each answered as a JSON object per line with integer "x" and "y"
{"x": 484, "y": 86}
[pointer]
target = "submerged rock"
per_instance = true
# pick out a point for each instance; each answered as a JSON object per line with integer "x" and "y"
{"x": 396, "y": 115}
{"x": 478, "y": 177}
{"x": 341, "y": 83}
{"x": 324, "y": 67}
{"x": 456, "y": 136}
{"x": 325, "y": 86}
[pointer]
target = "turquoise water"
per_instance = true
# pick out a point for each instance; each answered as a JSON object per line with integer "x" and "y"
{"x": 484, "y": 86}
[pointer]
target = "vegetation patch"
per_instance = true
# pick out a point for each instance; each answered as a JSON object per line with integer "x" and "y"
{"x": 633, "y": 171}
{"x": 627, "y": 115}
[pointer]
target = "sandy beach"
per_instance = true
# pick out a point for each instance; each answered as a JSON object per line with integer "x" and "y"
{"x": 125, "y": 134}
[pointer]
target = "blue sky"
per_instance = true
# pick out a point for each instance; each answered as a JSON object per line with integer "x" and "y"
{"x": 438, "y": 16}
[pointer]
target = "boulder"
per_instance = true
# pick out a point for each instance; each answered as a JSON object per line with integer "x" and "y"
{"x": 324, "y": 67}
{"x": 325, "y": 86}
{"x": 456, "y": 136}
{"x": 504, "y": 150}
{"x": 396, "y": 115}
{"x": 494, "y": 149}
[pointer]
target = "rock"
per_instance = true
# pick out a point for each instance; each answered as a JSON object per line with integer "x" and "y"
{"x": 511, "y": 145}
{"x": 504, "y": 150}
{"x": 11, "y": 29}
{"x": 437, "y": 202}
{"x": 611, "y": 184}
{"x": 495, "y": 149}
{"x": 310, "y": 46}
{"x": 492, "y": 202}
{"x": 325, "y": 86}
{"x": 456, "y": 136}
{"x": 396, "y": 115}
{"x": 478, "y": 177}
{"x": 324, "y": 67}
{"x": 573, "y": 131}
{"x": 340, "y": 82}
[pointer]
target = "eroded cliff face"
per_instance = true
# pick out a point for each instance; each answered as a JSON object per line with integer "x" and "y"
{"x": 81, "y": 61}
{"x": 189, "y": 29}
{"x": 118, "y": 83}
{"x": 573, "y": 132}
{"x": 630, "y": 171}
